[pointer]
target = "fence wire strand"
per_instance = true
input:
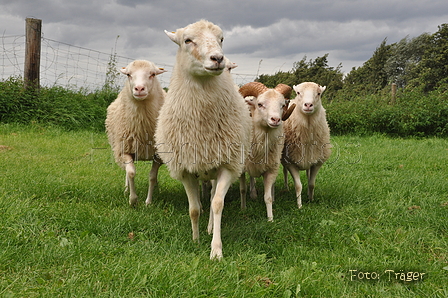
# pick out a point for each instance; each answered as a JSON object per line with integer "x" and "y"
{"x": 74, "y": 67}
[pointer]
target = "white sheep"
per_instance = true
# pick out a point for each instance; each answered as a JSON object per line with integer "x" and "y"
{"x": 131, "y": 121}
{"x": 307, "y": 138}
{"x": 268, "y": 110}
{"x": 203, "y": 130}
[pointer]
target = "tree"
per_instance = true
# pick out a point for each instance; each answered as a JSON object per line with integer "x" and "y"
{"x": 433, "y": 69}
{"x": 317, "y": 71}
{"x": 404, "y": 58}
{"x": 371, "y": 77}
{"x": 279, "y": 77}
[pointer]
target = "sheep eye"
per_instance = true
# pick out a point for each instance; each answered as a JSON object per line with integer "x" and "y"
{"x": 187, "y": 41}
{"x": 222, "y": 39}
{"x": 260, "y": 105}
{"x": 318, "y": 93}
{"x": 129, "y": 76}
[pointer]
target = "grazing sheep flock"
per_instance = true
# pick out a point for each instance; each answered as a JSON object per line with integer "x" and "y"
{"x": 203, "y": 130}
{"x": 268, "y": 113}
{"x": 307, "y": 138}
{"x": 131, "y": 122}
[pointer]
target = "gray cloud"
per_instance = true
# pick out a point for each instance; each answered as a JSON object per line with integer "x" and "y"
{"x": 277, "y": 32}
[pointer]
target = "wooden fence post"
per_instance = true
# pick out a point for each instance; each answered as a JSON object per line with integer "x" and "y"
{"x": 32, "y": 53}
{"x": 393, "y": 93}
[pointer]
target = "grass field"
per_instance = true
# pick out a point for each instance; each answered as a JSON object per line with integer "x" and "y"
{"x": 378, "y": 226}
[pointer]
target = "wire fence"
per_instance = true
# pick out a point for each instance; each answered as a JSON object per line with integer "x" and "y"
{"x": 73, "y": 67}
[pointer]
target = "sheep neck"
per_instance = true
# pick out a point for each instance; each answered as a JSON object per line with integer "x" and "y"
{"x": 308, "y": 138}
{"x": 265, "y": 150}
{"x": 144, "y": 115}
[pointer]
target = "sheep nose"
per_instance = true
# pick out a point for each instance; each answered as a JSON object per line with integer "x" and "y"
{"x": 139, "y": 88}
{"x": 308, "y": 105}
{"x": 217, "y": 58}
{"x": 275, "y": 120}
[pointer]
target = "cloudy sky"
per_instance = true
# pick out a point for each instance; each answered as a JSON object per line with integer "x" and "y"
{"x": 260, "y": 36}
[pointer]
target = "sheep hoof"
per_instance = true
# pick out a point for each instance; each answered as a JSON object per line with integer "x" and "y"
{"x": 133, "y": 202}
{"x": 270, "y": 219}
{"x": 210, "y": 229}
{"x": 216, "y": 254}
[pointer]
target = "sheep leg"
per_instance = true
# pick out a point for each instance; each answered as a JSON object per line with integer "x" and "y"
{"x": 312, "y": 173}
{"x": 223, "y": 183}
{"x": 191, "y": 188}
{"x": 152, "y": 180}
{"x": 253, "y": 189}
{"x": 130, "y": 174}
{"x": 210, "y": 218}
{"x": 285, "y": 177}
{"x": 243, "y": 190}
{"x": 295, "y": 173}
{"x": 268, "y": 181}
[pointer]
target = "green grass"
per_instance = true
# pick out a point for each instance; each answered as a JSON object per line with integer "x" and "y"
{"x": 380, "y": 204}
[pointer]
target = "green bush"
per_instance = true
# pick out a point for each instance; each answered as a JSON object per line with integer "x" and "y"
{"x": 57, "y": 106}
{"x": 412, "y": 114}
{"x": 15, "y": 104}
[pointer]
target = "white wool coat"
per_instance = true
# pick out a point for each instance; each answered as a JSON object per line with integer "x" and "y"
{"x": 130, "y": 124}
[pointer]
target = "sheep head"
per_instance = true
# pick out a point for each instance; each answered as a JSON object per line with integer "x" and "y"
{"x": 200, "y": 48}
{"x": 269, "y": 106}
{"x": 141, "y": 77}
{"x": 309, "y": 97}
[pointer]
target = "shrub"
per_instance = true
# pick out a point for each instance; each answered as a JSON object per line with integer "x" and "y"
{"x": 13, "y": 99}
{"x": 54, "y": 105}
{"x": 413, "y": 114}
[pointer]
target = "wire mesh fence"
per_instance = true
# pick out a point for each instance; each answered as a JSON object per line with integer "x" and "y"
{"x": 74, "y": 67}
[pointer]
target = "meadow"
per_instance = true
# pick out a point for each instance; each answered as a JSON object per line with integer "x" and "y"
{"x": 377, "y": 228}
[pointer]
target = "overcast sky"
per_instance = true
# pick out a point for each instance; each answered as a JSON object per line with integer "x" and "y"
{"x": 277, "y": 32}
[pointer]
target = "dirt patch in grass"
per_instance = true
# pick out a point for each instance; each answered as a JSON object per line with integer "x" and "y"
{"x": 4, "y": 148}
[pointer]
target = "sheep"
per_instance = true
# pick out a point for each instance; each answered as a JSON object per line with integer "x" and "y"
{"x": 268, "y": 113}
{"x": 307, "y": 138}
{"x": 131, "y": 120}
{"x": 203, "y": 130}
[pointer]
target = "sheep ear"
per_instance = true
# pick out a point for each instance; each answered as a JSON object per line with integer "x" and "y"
{"x": 160, "y": 70}
{"x": 296, "y": 88}
{"x": 123, "y": 70}
{"x": 172, "y": 36}
{"x": 230, "y": 65}
{"x": 322, "y": 89}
